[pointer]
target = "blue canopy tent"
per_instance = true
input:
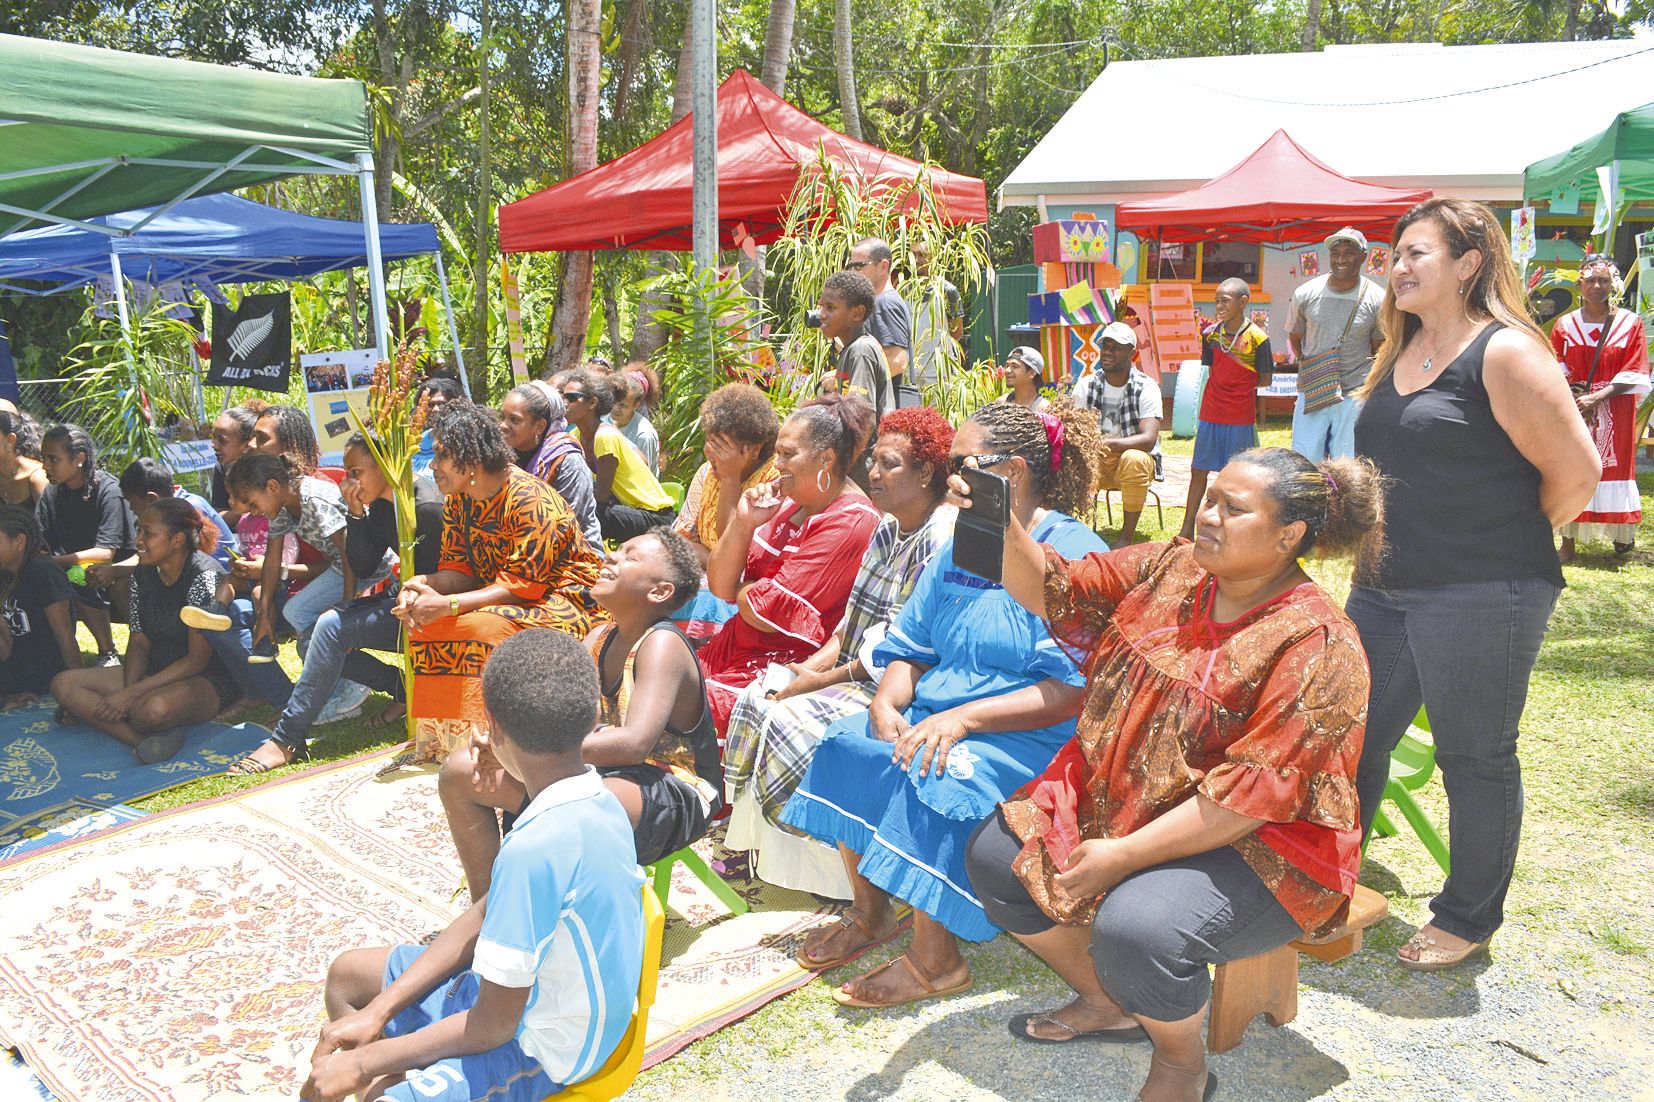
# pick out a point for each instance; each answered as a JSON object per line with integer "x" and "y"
{"x": 210, "y": 240}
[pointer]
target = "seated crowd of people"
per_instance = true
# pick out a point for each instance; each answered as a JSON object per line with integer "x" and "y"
{"x": 1139, "y": 762}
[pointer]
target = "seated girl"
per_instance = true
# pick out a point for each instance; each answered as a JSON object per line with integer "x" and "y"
{"x": 532, "y": 421}
{"x": 738, "y": 424}
{"x": 974, "y": 702}
{"x": 513, "y": 557}
{"x": 637, "y": 390}
{"x": 341, "y": 636}
{"x": 654, "y": 744}
{"x": 630, "y": 500}
{"x": 22, "y": 478}
{"x": 83, "y": 521}
{"x": 171, "y": 677}
{"x": 231, "y": 437}
{"x": 1211, "y": 784}
{"x": 773, "y": 734}
{"x": 37, "y": 623}
{"x": 790, "y": 553}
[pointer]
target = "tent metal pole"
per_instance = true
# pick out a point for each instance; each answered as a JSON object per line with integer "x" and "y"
{"x": 703, "y": 36}
{"x": 453, "y": 330}
{"x": 120, "y": 309}
{"x": 376, "y": 262}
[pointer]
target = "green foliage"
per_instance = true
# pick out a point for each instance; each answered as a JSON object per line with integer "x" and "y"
{"x": 830, "y": 211}
{"x": 708, "y": 321}
{"x": 113, "y": 377}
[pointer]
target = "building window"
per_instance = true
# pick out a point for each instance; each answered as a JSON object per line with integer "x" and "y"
{"x": 1221, "y": 260}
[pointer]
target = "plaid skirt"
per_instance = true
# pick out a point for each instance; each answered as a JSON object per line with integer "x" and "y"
{"x": 769, "y": 744}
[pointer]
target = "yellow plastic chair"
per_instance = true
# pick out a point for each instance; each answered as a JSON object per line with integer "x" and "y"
{"x": 616, "y": 1075}
{"x": 677, "y": 491}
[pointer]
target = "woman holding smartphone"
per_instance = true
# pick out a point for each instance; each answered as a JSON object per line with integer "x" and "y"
{"x": 975, "y": 701}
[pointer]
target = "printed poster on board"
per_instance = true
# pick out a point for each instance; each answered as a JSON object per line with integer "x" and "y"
{"x": 252, "y": 345}
{"x": 334, "y": 384}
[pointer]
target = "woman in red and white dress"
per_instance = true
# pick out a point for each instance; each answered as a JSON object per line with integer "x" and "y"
{"x": 1607, "y": 386}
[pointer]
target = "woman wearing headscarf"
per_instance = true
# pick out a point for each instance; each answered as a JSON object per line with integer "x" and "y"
{"x": 532, "y": 422}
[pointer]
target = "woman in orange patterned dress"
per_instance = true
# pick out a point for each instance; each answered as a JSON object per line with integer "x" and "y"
{"x": 1206, "y": 809}
{"x": 513, "y": 557}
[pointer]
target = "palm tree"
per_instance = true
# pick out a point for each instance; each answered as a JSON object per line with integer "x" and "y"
{"x": 778, "y": 44}
{"x": 846, "y": 66}
{"x": 572, "y": 311}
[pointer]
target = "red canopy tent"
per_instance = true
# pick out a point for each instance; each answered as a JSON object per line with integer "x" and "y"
{"x": 641, "y": 200}
{"x": 1279, "y": 195}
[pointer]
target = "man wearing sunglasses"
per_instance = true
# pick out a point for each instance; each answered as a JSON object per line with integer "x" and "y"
{"x": 891, "y": 322}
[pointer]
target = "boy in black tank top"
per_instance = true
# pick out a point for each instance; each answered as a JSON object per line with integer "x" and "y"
{"x": 655, "y": 744}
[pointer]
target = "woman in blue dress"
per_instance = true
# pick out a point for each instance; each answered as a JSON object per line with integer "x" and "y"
{"x": 976, "y": 700}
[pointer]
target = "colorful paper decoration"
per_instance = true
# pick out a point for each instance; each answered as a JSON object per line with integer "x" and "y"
{"x": 1045, "y": 309}
{"x": 1522, "y": 241}
{"x": 1081, "y": 241}
{"x": 1069, "y": 350}
{"x": 1309, "y": 264}
{"x": 1172, "y": 317}
{"x": 1378, "y": 261}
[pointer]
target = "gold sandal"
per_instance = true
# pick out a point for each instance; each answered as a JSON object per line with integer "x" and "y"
{"x": 1432, "y": 957}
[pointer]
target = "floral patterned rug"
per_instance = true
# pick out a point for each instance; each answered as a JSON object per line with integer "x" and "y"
{"x": 181, "y": 956}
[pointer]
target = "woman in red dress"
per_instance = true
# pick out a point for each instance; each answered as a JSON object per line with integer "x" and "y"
{"x": 1205, "y": 810}
{"x": 791, "y": 552}
{"x": 1604, "y": 351}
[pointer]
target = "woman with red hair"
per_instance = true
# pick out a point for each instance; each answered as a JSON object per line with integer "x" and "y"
{"x": 773, "y": 731}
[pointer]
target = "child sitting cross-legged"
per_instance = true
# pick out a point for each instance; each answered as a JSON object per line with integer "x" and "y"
{"x": 533, "y": 987}
{"x": 655, "y": 747}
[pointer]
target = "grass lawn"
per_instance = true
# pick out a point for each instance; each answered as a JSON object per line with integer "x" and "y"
{"x": 1558, "y": 1012}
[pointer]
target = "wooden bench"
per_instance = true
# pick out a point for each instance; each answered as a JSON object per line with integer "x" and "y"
{"x": 1267, "y": 984}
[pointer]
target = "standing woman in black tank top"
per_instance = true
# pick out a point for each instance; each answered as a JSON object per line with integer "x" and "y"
{"x": 1469, "y": 417}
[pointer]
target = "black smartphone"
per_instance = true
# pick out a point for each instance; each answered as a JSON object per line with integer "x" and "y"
{"x": 979, "y": 533}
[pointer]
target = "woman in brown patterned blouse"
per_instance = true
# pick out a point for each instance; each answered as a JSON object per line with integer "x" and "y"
{"x": 1206, "y": 809}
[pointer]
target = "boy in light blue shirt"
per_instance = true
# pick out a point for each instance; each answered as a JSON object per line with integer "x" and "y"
{"x": 533, "y": 988}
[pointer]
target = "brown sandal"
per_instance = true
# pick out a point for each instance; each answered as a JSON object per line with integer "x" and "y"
{"x": 847, "y": 919}
{"x": 385, "y": 719}
{"x": 928, "y": 989}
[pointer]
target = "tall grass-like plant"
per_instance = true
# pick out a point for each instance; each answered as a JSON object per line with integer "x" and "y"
{"x": 392, "y": 442}
{"x": 830, "y": 210}
{"x": 124, "y": 387}
{"x": 709, "y": 321}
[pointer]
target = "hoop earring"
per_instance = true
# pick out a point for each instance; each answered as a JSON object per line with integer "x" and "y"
{"x": 823, "y": 483}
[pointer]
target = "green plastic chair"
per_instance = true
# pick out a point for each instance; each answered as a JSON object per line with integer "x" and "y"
{"x": 661, "y": 871}
{"x": 1411, "y": 766}
{"x": 677, "y": 491}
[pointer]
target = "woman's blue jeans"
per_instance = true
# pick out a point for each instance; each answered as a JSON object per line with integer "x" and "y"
{"x": 1465, "y": 652}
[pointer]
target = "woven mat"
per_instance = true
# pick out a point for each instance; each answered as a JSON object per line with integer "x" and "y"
{"x": 50, "y": 775}
{"x": 181, "y": 956}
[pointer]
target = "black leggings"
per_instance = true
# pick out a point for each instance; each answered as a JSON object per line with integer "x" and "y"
{"x": 621, "y": 522}
{"x": 1155, "y": 931}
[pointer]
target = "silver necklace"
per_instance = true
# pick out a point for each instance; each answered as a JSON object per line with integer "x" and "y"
{"x": 1429, "y": 361}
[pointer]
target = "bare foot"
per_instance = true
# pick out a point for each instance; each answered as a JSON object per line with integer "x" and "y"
{"x": 832, "y": 945}
{"x": 16, "y": 701}
{"x": 1169, "y": 1082}
{"x": 1080, "y": 1016}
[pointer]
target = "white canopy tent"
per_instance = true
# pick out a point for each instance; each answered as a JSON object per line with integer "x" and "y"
{"x": 1459, "y": 120}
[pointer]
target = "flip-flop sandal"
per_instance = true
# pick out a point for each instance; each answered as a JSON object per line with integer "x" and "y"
{"x": 1124, "y": 1035}
{"x": 385, "y": 719}
{"x": 848, "y": 918}
{"x": 1211, "y": 1088}
{"x": 844, "y": 998}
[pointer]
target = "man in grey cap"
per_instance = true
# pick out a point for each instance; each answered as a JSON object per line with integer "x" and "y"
{"x": 1337, "y": 310}
{"x": 1128, "y": 406}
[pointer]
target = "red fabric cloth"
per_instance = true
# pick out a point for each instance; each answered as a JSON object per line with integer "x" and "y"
{"x": 1263, "y": 715}
{"x": 642, "y": 199}
{"x": 797, "y": 579}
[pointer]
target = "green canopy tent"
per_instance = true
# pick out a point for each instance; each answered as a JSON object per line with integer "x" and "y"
{"x": 86, "y": 132}
{"x": 1627, "y": 143}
